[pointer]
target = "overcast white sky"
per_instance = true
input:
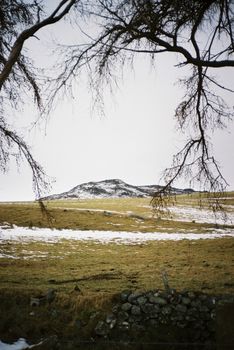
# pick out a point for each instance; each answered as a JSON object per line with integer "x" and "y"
{"x": 134, "y": 142}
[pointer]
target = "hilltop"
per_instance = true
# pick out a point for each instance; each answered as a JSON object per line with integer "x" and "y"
{"x": 111, "y": 188}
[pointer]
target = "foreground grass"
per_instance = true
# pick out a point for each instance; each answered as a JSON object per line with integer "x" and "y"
{"x": 87, "y": 278}
{"x": 107, "y": 268}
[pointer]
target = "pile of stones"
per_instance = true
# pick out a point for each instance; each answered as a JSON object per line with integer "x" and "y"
{"x": 143, "y": 311}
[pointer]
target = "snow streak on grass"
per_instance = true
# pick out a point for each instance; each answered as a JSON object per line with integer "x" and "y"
{"x": 48, "y": 235}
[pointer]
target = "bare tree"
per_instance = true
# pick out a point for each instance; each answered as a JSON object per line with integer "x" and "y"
{"x": 199, "y": 32}
{"x": 19, "y": 21}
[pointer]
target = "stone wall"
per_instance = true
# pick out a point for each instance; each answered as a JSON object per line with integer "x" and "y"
{"x": 190, "y": 315}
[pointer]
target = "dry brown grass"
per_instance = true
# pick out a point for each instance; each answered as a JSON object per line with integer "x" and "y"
{"x": 128, "y": 214}
{"x": 101, "y": 271}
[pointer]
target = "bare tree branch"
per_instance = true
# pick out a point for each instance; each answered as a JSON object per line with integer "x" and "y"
{"x": 200, "y": 32}
{"x": 18, "y": 73}
{"x": 18, "y": 45}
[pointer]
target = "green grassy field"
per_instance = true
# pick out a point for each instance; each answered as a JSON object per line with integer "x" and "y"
{"x": 101, "y": 271}
{"x": 108, "y": 268}
{"x": 119, "y": 214}
{"x": 41, "y": 262}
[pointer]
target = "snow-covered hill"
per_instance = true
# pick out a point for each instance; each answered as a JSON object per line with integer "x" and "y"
{"x": 110, "y": 188}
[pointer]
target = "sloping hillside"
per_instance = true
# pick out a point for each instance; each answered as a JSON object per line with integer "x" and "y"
{"x": 110, "y": 188}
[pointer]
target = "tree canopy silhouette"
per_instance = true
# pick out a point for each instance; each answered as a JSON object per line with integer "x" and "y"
{"x": 199, "y": 32}
{"x": 20, "y": 20}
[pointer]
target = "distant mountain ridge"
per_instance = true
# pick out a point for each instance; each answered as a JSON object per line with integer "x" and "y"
{"x": 114, "y": 188}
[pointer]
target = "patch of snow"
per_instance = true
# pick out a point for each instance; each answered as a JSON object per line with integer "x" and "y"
{"x": 228, "y": 206}
{"x": 200, "y": 215}
{"x": 7, "y": 256}
{"x": 113, "y": 224}
{"x": 215, "y": 198}
{"x": 53, "y": 235}
{"x": 19, "y": 345}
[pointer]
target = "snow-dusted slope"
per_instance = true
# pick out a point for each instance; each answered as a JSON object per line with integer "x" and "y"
{"x": 108, "y": 188}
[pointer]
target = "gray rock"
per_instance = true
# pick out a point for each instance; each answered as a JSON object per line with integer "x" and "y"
{"x": 125, "y": 325}
{"x": 101, "y": 328}
{"x": 135, "y": 319}
{"x": 125, "y": 294}
{"x": 157, "y": 293}
{"x": 140, "y": 311}
{"x": 126, "y": 306}
{"x": 193, "y": 312}
{"x": 115, "y": 309}
{"x": 181, "y": 308}
{"x": 110, "y": 318}
{"x": 185, "y": 301}
{"x": 203, "y": 297}
{"x": 141, "y": 300}
{"x": 122, "y": 316}
{"x": 196, "y": 303}
{"x": 147, "y": 308}
{"x": 149, "y": 294}
{"x": 157, "y": 300}
{"x": 166, "y": 310}
{"x": 155, "y": 312}
{"x": 112, "y": 324}
{"x": 138, "y": 328}
{"x": 165, "y": 295}
{"x": 191, "y": 295}
{"x": 136, "y": 310}
{"x": 190, "y": 318}
{"x": 155, "y": 309}
{"x": 203, "y": 308}
{"x": 133, "y": 296}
